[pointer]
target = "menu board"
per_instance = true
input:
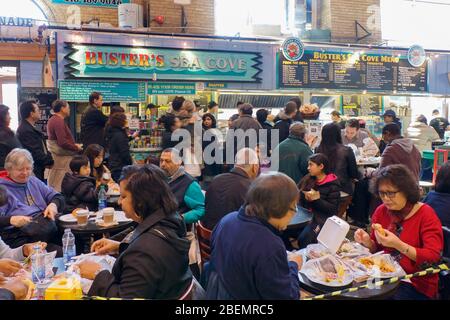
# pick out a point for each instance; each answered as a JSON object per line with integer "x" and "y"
{"x": 351, "y": 70}
{"x": 112, "y": 91}
{"x": 44, "y": 98}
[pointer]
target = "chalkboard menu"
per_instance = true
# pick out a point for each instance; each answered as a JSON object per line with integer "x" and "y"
{"x": 44, "y": 98}
{"x": 112, "y": 91}
{"x": 351, "y": 70}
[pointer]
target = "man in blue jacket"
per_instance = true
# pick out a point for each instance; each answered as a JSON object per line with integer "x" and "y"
{"x": 249, "y": 259}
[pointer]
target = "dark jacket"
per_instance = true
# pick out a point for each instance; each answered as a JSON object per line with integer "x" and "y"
{"x": 250, "y": 260}
{"x": 402, "y": 151}
{"x": 439, "y": 124}
{"x": 33, "y": 140}
{"x": 93, "y": 124}
{"x": 246, "y": 122}
{"x": 293, "y": 157}
{"x": 79, "y": 192}
{"x": 267, "y": 126}
{"x": 153, "y": 262}
{"x": 5, "y": 294}
{"x": 440, "y": 202}
{"x": 225, "y": 194}
{"x": 8, "y": 141}
{"x": 283, "y": 126}
{"x": 330, "y": 194}
{"x": 167, "y": 140}
{"x": 343, "y": 164}
{"x": 119, "y": 150}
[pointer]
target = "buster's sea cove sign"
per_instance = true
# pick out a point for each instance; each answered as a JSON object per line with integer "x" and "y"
{"x": 119, "y": 62}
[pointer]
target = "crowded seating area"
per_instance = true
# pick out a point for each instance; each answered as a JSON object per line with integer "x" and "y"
{"x": 191, "y": 224}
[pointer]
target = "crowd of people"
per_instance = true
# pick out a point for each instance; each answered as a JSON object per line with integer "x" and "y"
{"x": 247, "y": 211}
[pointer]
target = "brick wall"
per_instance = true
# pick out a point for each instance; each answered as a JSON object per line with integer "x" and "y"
{"x": 200, "y": 14}
{"x": 343, "y": 16}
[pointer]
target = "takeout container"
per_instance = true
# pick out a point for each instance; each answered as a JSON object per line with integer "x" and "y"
{"x": 333, "y": 233}
{"x": 64, "y": 289}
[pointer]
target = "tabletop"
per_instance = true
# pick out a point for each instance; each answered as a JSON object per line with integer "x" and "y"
{"x": 301, "y": 218}
{"x": 93, "y": 228}
{"x": 383, "y": 292}
{"x": 375, "y": 161}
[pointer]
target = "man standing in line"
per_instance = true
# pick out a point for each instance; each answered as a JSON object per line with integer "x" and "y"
{"x": 93, "y": 122}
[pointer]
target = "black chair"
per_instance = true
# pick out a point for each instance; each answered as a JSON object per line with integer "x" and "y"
{"x": 444, "y": 276}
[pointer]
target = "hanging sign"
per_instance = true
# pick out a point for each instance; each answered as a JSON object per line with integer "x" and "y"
{"x": 118, "y": 62}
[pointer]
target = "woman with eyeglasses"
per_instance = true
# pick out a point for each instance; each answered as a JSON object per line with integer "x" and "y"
{"x": 412, "y": 231}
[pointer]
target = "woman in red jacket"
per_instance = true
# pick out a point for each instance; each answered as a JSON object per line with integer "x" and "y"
{"x": 412, "y": 231}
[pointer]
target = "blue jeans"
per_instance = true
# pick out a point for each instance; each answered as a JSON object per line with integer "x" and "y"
{"x": 406, "y": 291}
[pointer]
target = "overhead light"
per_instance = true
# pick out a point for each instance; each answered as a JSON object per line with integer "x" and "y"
{"x": 364, "y": 91}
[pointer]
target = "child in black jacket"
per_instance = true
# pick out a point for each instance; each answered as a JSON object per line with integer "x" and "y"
{"x": 320, "y": 193}
{"x": 78, "y": 187}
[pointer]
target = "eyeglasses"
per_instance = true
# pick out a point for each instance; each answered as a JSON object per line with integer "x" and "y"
{"x": 389, "y": 194}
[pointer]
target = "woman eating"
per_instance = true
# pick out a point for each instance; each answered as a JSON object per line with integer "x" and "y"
{"x": 153, "y": 261}
{"x": 406, "y": 229}
{"x": 320, "y": 193}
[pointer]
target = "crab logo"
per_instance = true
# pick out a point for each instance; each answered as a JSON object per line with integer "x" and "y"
{"x": 416, "y": 55}
{"x": 293, "y": 49}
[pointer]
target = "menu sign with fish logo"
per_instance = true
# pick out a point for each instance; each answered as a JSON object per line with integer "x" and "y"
{"x": 293, "y": 49}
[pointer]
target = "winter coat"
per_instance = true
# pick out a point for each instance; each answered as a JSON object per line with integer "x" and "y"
{"x": 119, "y": 150}
{"x": 153, "y": 262}
{"x": 402, "y": 151}
{"x": 421, "y": 135}
{"x": 33, "y": 140}
{"x": 293, "y": 156}
{"x": 330, "y": 195}
{"x": 249, "y": 261}
{"x": 93, "y": 124}
{"x": 225, "y": 194}
{"x": 8, "y": 141}
{"x": 283, "y": 126}
{"x": 79, "y": 192}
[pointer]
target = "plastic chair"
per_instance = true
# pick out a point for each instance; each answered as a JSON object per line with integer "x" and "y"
{"x": 204, "y": 236}
{"x": 440, "y": 157}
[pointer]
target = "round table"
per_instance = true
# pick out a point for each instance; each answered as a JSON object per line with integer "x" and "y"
{"x": 375, "y": 163}
{"x": 89, "y": 232}
{"x": 381, "y": 293}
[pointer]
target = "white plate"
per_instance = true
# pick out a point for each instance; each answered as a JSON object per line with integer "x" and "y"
{"x": 312, "y": 274}
{"x": 68, "y": 218}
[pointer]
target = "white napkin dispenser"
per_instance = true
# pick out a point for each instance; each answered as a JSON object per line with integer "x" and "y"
{"x": 333, "y": 233}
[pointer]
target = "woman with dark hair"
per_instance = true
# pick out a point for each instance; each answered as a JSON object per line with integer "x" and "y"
{"x": 249, "y": 259}
{"x": 118, "y": 145}
{"x": 209, "y": 121}
{"x": 210, "y": 136}
{"x": 171, "y": 123}
{"x": 261, "y": 117}
{"x": 153, "y": 261}
{"x": 439, "y": 199}
{"x": 319, "y": 193}
{"x": 8, "y": 140}
{"x": 405, "y": 228}
{"x": 96, "y": 155}
{"x": 344, "y": 161}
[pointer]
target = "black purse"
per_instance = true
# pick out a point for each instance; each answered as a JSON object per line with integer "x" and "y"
{"x": 40, "y": 229}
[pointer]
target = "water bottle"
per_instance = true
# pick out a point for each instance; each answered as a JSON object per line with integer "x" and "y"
{"x": 102, "y": 198}
{"x": 69, "y": 248}
{"x": 38, "y": 264}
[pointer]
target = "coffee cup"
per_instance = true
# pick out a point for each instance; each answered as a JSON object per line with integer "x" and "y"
{"x": 108, "y": 215}
{"x": 106, "y": 176}
{"x": 82, "y": 217}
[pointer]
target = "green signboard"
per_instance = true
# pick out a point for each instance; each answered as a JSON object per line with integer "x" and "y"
{"x": 171, "y": 88}
{"x": 117, "y": 91}
{"x": 93, "y": 3}
{"x": 118, "y": 62}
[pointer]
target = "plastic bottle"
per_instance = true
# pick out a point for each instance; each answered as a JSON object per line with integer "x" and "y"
{"x": 102, "y": 198}
{"x": 69, "y": 248}
{"x": 37, "y": 264}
